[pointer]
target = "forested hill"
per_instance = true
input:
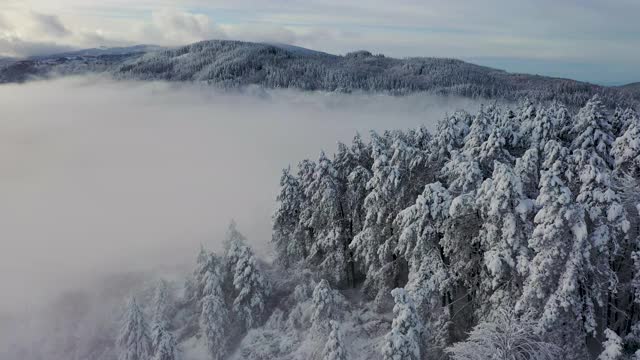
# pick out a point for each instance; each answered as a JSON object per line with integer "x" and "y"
{"x": 235, "y": 63}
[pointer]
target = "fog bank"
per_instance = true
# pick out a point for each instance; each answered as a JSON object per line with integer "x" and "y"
{"x": 100, "y": 177}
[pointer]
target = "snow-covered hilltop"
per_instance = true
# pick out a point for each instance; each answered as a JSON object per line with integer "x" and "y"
{"x": 235, "y": 63}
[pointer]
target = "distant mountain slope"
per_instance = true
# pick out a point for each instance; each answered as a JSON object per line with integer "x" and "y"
{"x": 235, "y": 63}
{"x": 632, "y": 85}
{"x": 103, "y": 51}
{"x": 79, "y": 62}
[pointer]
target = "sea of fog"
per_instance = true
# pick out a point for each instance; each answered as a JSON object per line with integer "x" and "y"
{"x": 100, "y": 177}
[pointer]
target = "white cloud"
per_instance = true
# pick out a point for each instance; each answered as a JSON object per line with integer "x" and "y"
{"x": 175, "y": 27}
{"x": 48, "y": 25}
{"x": 535, "y": 29}
{"x": 13, "y": 46}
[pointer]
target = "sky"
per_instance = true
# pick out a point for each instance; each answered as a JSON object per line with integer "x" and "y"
{"x": 591, "y": 40}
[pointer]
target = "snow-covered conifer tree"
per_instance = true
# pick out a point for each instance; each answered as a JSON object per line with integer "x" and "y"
{"x": 304, "y": 235}
{"x": 163, "y": 342}
{"x": 334, "y": 348}
{"x": 285, "y": 220}
{"x": 403, "y": 342}
{"x": 378, "y": 209}
{"x": 214, "y": 316}
{"x": 612, "y": 347}
{"x": 503, "y": 236}
{"x": 540, "y": 129}
{"x": 528, "y": 169}
{"x": 328, "y": 219}
{"x": 555, "y": 292}
{"x": 479, "y": 130}
{"x": 621, "y": 120}
{"x": 626, "y": 150}
{"x": 357, "y": 192}
{"x": 251, "y": 289}
{"x": 133, "y": 341}
{"x": 607, "y": 222}
{"x": 559, "y": 224}
{"x": 361, "y": 152}
{"x": 419, "y": 229}
{"x": 504, "y": 338}
{"x": 327, "y": 305}
{"x": 449, "y": 136}
{"x": 161, "y": 307}
{"x": 493, "y": 150}
{"x": 462, "y": 173}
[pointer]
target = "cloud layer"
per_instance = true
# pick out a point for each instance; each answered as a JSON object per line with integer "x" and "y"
{"x": 99, "y": 176}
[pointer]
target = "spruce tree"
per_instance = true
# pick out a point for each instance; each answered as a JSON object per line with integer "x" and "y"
{"x": 334, "y": 348}
{"x": 404, "y": 339}
{"x": 250, "y": 288}
{"x": 285, "y": 221}
{"x": 505, "y": 229}
{"x": 133, "y": 341}
{"x": 214, "y": 316}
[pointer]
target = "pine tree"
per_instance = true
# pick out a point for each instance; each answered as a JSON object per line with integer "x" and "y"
{"x": 462, "y": 173}
{"x": 334, "y": 348}
{"x": 420, "y": 229}
{"x": 304, "y": 235}
{"x": 503, "y": 236}
{"x": 491, "y": 151}
{"x": 564, "y": 122}
{"x": 377, "y": 206}
{"x": 544, "y": 126}
{"x": 344, "y": 161}
{"x": 526, "y": 115}
{"x": 607, "y": 223}
{"x": 214, "y": 317}
{"x": 555, "y": 292}
{"x": 504, "y": 338}
{"x": 479, "y": 130}
{"x": 622, "y": 119}
{"x": 355, "y": 197}
{"x": 528, "y": 170}
{"x": 327, "y": 305}
{"x": 409, "y": 170}
{"x": 251, "y": 289}
{"x": 612, "y": 347}
{"x": 133, "y": 341}
{"x": 361, "y": 152}
{"x": 164, "y": 343}
{"x": 626, "y": 150}
{"x": 328, "y": 219}
{"x": 285, "y": 220}
{"x": 559, "y": 224}
{"x": 449, "y": 136}
{"x": 420, "y": 138}
{"x": 403, "y": 342}
{"x": 161, "y": 306}
{"x": 509, "y": 125}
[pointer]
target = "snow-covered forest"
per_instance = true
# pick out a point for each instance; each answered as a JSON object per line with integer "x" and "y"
{"x": 227, "y": 64}
{"x": 511, "y": 233}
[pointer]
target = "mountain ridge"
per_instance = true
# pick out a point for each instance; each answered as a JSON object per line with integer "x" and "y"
{"x": 230, "y": 63}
